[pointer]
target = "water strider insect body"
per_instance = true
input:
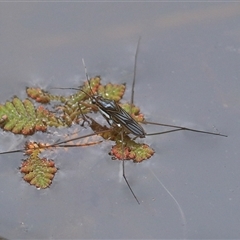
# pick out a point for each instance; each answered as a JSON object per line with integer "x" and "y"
{"x": 114, "y": 114}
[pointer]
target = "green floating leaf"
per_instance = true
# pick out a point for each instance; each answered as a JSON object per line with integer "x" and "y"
{"x": 112, "y": 91}
{"x": 78, "y": 103}
{"x": 73, "y": 113}
{"x": 47, "y": 118}
{"x": 38, "y": 171}
{"x": 21, "y": 117}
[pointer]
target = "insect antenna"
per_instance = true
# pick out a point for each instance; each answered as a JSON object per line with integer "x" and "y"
{"x": 88, "y": 80}
{"x": 85, "y": 69}
{"x": 87, "y": 94}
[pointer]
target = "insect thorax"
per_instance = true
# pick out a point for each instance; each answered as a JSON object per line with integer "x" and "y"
{"x": 105, "y": 104}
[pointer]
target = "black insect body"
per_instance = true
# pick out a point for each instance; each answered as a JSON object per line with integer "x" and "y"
{"x": 114, "y": 114}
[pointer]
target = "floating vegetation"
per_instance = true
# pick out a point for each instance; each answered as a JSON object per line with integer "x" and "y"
{"x": 22, "y": 117}
{"x": 27, "y": 117}
{"x": 33, "y": 114}
{"x": 37, "y": 171}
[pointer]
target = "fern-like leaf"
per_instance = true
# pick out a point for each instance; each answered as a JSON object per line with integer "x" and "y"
{"x": 37, "y": 171}
{"x": 112, "y": 91}
{"x": 21, "y": 117}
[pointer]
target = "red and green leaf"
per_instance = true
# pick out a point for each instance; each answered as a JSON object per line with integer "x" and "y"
{"x": 23, "y": 117}
{"x": 37, "y": 171}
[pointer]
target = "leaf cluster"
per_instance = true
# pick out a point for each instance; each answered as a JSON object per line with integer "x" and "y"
{"x": 33, "y": 114}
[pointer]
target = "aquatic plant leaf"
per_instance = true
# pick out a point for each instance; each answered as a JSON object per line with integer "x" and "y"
{"x": 38, "y": 94}
{"x": 80, "y": 95}
{"x": 95, "y": 82}
{"x": 112, "y": 91}
{"x": 78, "y": 103}
{"x": 72, "y": 113}
{"x": 32, "y": 148}
{"x": 129, "y": 150}
{"x": 21, "y": 117}
{"x": 73, "y": 106}
{"x": 49, "y": 119}
{"x": 37, "y": 171}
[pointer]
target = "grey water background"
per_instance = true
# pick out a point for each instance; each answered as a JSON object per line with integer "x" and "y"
{"x": 187, "y": 74}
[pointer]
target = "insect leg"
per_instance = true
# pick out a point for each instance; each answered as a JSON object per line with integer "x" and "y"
{"x": 83, "y": 116}
{"x": 123, "y": 170}
{"x": 132, "y": 99}
{"x": 181, "y": 128}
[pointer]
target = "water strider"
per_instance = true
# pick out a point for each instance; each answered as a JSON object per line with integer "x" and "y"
{"x": 116, "y": 115}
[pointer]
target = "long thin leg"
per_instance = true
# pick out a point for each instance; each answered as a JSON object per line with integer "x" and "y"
{"x": 182, "y": 128}
{"x": 83, "y": 117}
{"x": 77, "y": 138}
{"x": 14, "y": 151}
{"x": 132, "y": 99}
{"x": 123, "y": 170}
